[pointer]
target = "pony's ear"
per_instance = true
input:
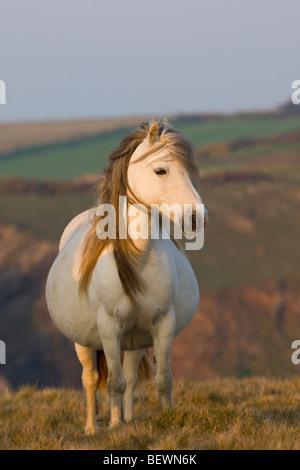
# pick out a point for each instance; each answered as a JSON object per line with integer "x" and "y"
{"x": 153, "y": 132}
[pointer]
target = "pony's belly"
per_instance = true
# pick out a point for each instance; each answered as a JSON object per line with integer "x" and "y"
{"x": 71, "y": 313}
{"x": 78, "y": 324}
{"x": 186, "y": 299}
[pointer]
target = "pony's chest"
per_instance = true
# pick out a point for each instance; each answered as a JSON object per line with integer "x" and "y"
{"x": 164, "y": 274}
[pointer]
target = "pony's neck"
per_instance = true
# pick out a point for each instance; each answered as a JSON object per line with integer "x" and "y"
{"x": 139, "y": 227}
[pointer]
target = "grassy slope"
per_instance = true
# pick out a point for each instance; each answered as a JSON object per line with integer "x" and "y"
{"x": 72, "y": 159}
{"x": 253, "y": 413}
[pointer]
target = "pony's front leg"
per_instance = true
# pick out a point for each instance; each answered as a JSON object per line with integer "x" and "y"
{"x": 110, "y": 338}
{"x": 163, "y": 334}
{"x": 130, "y": 365}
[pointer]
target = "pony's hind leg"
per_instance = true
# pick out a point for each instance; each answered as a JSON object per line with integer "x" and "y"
{"x": 90, "y": 382}
{"x": 130, "y": 366}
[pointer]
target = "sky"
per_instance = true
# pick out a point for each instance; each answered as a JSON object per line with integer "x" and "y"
{"x": 74, "y": 59}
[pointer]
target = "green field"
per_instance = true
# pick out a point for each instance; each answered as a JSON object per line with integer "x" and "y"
{"x": 69, "y": 160}
{"x": 61, "y": 161}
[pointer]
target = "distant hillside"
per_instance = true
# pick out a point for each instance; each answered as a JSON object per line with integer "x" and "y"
{"x": 69, "y": 150}
{"x": 248, "y": 270}
{"x": 21, "y": 135}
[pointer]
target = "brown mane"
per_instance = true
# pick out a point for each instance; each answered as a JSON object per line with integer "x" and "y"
{"x": 112, "y": 184}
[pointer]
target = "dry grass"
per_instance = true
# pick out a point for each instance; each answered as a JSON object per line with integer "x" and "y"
{"x": 255, "y": 413}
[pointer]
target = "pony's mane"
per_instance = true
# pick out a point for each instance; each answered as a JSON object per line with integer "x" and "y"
{"x": 113, "y": 183}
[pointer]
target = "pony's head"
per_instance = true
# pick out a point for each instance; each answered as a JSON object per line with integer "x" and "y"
{"x": 153, "y": 165}
{"x": 162, "y": 171}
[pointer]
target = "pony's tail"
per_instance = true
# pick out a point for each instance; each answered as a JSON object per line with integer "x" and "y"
{"x": 102, "y": 369}
{"x": 145, "y": 369}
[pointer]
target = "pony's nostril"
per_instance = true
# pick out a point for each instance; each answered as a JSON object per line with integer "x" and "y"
{"x": 194, "y": 222}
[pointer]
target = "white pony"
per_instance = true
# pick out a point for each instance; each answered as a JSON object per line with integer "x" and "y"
{"x": 111, "y": 296}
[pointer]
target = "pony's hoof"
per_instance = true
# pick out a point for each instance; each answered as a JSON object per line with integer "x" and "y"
{"x": 112, "y": 426}
{"x": 128, "y": 419}
{"x": 90, "y": 430}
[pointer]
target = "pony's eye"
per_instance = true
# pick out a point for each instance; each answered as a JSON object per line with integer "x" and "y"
{"x": 160, "y": 171}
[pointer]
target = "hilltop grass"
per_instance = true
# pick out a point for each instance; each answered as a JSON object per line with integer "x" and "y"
{"x": 252, "y": 413}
